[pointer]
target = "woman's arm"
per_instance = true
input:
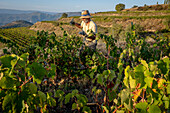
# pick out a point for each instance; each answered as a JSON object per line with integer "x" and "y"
{"x": 78, "y": 25}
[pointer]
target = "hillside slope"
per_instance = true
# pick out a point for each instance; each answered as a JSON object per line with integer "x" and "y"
{"x": 104, "y": 23}
{"x": 15, "y": 24}
{"x": 110, "y": 23}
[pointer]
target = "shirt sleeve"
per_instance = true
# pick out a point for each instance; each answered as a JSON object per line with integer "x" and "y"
{"x": 82, "y": 23}
{"x": 94, "y": 28}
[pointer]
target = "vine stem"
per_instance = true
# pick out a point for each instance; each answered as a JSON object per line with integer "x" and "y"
{"x": 24, "y": 84}
{"x": 117, "y": 109}
{"x": 108, "y": 57}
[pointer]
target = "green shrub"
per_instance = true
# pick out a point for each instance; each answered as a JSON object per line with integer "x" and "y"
{"x": 137, "y": 28}
{"x": 166, "y": 22}
{"x": 120, "y": 7}
{"x": 134, "y": 6}
{"x": 64, "y": 15}
{"x": 116, "y": 30}
{"x": 158, "y": 7}
{"x": 119, "y": 32}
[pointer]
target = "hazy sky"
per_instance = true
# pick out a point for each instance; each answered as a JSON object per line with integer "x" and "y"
{"x": 72, "y": 5}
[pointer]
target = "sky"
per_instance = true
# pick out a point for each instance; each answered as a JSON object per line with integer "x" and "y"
{"x": 72, "y": 5}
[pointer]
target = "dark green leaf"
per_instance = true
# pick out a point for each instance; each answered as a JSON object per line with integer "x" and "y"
{"x": 149, "y": 81}
{"x": 32, "y": 88}
{"x": 6, "y": 83}
{"x": 154, "y": 109}
{"x": 52, "y": 72}
{"x": 124, "y": 96}
{"x": 38, "y": 72}
{"x": 51, "y": 101}
{"x": 162, "y": 66}
{"x": 67, "y": 98}
{"x": 59, "y": 93}
{"x": 74, "y": 106}
{"x": 168, "y": 89}
{"x": 86, "y": 109}
{"x": 7, "y": 101}
{"x": 112, "y": 95}
{"x": 6, "y": 61}
{"x": 100, "y": 79}
{"x": 166, "y": 102}
{"x": 42, "y": 96}
{"x": 74, "y": 92}
{"x": 142, "y": 106}
{"x": 112, "y": 75}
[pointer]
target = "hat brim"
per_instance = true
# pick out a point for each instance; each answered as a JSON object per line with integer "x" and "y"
{"x": 85, "y": 17}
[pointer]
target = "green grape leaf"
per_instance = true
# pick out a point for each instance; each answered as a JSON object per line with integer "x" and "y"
{"x": 98, "y": 91}
{"x": 6, "y": 61}
{"x": 154, "y": 109}
{"x": 142, "y": 106}
{"x": 112, "y": 75}
{"x": 32, "y": 88}
{"x": 25, "y": 56}
{"x": 129, "y": 104}
{"x": 112, "y": 95}
{"x": 149, "y": 81}
{"x": 82, "y": 98}
{"x": 2, "y": 93}
{"x": 126, "y": 78}
{"x": 7, "y": 83}
{"x": 51, "y": 101}
{"x": 105, "y": 108}
{"x": 100, "y": 79}
{"x": 86, "y": 109}
{"x": 124, "y": 96}
{"x": 11, "y": 97}
{"x": 91, "y": 75}
{"x": 166, "y": 101}
{"x": 42, "y": 96}
{"x": 144, "y": 63}
{"x": 23, "y": 62}
{"x": 7, "y": 101}
{"x": 132, "y": 83}
{"x": 153, "y": 67}
{"x": 14, "y": 62}
{"x": 18, "y": 106}
{"x": 38, "y": 72}
{"x": 74, "y": 92}
{"x": 67, "y": 98}
{"x": 168, "y": 89}
{"x": 139, "y": 74}
{"x": 120, "y": 111}
{"x": 162, "y": 66}
{"x": 106, "y": 73}
{"x": 74, "y": 106}
{"x": 59, "y": 93}
{"x": 52, "y": 72}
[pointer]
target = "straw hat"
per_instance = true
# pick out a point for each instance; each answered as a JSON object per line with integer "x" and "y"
{"x": 85, "y": 14}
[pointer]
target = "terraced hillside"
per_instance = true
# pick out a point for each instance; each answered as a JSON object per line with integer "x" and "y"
{"x": 109, "y": 22}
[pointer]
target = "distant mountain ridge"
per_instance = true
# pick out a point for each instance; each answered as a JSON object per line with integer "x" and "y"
{"x": 18, "y": 23}
{"x": 8, "y": 16}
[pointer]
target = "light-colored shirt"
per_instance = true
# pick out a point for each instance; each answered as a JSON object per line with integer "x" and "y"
{"x": 91, "y": 26}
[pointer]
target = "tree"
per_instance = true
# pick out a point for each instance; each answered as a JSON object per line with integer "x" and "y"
{"x": 64, "y": 15}
{"x": 120, "y": 7}
{"x": 166, "y": 1}
{"x": 134, "y": 6}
